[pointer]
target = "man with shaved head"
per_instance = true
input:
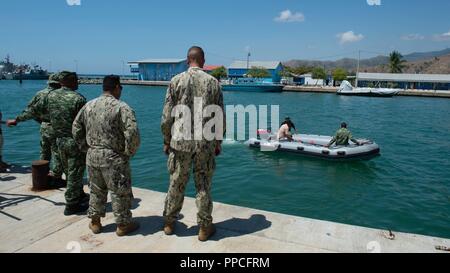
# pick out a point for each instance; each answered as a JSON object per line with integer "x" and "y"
{"x": 185, "y": 149}
{"x": 196, "y": 55}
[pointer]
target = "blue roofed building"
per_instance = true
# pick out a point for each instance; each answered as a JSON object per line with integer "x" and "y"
{"x": 158, "y": 69}
{"x": 239, "y": 69}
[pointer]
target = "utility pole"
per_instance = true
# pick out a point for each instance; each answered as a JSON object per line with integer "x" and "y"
{"x": 123, "y": 69}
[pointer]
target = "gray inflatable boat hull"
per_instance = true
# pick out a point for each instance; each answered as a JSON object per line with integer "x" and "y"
{"x": 314, "y": 145}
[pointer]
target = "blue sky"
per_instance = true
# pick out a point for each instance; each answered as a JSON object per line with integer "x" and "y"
{"x": 100, "y": 34}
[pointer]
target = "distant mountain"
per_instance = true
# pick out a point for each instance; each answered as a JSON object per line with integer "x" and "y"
{"x": 433, "y": 65}
{"x": 351, "y": 64}
{"x": 426, "y": 55}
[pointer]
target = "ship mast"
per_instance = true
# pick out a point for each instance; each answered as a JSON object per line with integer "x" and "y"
{"x": 357, "y": 69}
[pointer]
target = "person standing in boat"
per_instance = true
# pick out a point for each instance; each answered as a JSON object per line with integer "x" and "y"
{"x": 342, "y": 137}
{"x": 285, "y": 130}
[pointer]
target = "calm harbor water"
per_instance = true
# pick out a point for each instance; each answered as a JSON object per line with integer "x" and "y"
{"x": 406, "y": 189}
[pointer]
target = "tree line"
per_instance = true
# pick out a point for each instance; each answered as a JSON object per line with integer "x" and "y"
{"x": 396, "y": 65}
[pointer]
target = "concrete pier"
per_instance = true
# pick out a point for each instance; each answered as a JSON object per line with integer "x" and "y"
{"x": 333, "y": 90}
{"x": 304, "y": 89}
{"x": 311, "y": 89}
{"x": 96, "y": 81}
{"x": 33, "y": 222}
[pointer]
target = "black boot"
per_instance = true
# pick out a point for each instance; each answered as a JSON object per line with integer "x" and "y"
{"x": 76, "y": 209}
{"x": 85, "y": 197}
{"x": 56, "y": 182}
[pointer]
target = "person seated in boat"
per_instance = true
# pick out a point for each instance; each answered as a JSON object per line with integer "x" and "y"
{"x": 285, "y": 130}
{"x": 342, "y": 137}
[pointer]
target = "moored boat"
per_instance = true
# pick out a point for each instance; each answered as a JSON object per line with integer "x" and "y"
{"x": 347, "y": 89}
{"x": 251, "y": 85}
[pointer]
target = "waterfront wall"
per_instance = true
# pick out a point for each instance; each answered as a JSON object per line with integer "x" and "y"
{"x": 307, "y": 89}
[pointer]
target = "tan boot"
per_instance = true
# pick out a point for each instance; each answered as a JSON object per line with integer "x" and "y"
{"x": 95, "y": 225}
{"x": 123, "y": 230}
{"x": 206, "y": 232}
{"x": 169, "y": 228}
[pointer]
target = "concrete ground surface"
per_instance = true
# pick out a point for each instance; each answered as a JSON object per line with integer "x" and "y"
{"x": 33, "y": 222}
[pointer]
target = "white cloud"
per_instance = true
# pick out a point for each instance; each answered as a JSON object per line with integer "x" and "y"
{"x": 413, "y": 37}
{"x": 374, "y": 2}
{"x": 288, "y": 16}
{"x": 73, "y": 2}
{"x": 349, "y": 37}
{"x": 442, "y": 37}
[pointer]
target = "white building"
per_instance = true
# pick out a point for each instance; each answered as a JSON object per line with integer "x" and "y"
{"x": 405, "y": 81}
{"x": 307, "y": 79}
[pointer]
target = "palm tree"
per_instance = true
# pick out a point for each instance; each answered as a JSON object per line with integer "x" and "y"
{"x": 396, "y": 62}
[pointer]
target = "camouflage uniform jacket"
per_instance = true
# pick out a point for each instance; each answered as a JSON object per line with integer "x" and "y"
{"x": 108, "y": 129}
{"x": 63, "y": 106}
{"x": 194, "y": 83}
{"x": 342, "y": 137}
{"x": 35, "y": 109}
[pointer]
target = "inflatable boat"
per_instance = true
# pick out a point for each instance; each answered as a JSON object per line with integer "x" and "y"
{"x": 314, "y": 145}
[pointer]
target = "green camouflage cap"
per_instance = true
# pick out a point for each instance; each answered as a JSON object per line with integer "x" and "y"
{"x": 54, "y": 78}
{"x": 65, "y": 74}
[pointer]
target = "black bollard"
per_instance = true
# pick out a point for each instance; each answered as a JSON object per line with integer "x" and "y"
{"x": 40, "y": 171}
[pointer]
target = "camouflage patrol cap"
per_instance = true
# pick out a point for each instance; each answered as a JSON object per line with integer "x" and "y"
{"x": 64, "y": 74}
{"x": 54, "y": 78}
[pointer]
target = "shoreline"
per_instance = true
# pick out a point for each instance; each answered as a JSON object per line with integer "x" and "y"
{"x": 288, "y": 88}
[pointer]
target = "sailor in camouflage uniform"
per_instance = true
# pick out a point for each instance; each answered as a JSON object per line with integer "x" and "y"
{"x": 36, "y": 111}
{"x": 187, "y": 153}
{"x": 342, "y": 137}
{"x": 63, "y": 106}
{"x": 107, "y": 128}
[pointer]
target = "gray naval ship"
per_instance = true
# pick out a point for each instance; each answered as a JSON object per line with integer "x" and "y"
{"x": 11, "y": 71}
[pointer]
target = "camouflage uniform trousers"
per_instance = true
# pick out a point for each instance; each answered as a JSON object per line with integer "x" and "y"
{"x": 73, "y": 164}
{"x": 179, "y": 165}
{"x": 49, "y": 149}
{"x": 115, "y": 178}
